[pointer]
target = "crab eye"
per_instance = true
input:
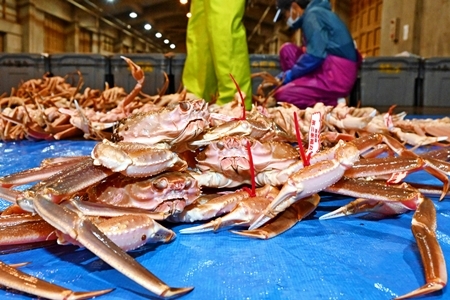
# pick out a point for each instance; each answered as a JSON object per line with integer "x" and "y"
{"x": 220, "y": 145}
{"x": 161, "y": 184}
{"x": 188, "y": 183}
{"x": 185, "y": 106}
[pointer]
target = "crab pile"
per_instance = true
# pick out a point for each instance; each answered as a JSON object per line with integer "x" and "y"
{"x": 221, "y": 167}
{"x": 50, "y": 108}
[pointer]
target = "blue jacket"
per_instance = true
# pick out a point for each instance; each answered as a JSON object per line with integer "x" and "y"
{"x": 324, "y": 34}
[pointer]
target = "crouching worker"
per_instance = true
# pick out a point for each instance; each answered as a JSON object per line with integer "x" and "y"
{"x": 327, "y": 69}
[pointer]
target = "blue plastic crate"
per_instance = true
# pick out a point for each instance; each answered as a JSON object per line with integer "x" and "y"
{"x": 387, "y": 81}
{"x": 93, "y": 68}
{"x": 436, "y": 82}
{"x": 19, "y": 67}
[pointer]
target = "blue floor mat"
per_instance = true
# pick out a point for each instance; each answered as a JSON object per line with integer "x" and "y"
{"x": 345, "y": 258}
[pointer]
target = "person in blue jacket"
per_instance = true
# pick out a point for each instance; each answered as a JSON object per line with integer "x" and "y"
{"x": 326, "y": 69}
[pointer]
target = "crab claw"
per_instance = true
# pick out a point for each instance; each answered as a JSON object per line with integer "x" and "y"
{"x": 310, "y": 180}
{"x": 367, "y": 206}
{"x": 284, "y": 221}
{"x": 90, "y": 236}
{"x": 21, "y": 281}
{"x": 242, "y": 215}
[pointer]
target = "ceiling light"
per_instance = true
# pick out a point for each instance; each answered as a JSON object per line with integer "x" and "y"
{"x": 158, "y": 35}
{"x": 183, "y": 1}
{"x": 172, "y": 46}
{"x": 147, "y": 26}
{"x": 166, "y": 41}
{"x": 189, "y": 15}
{"x": 133, "y": 15}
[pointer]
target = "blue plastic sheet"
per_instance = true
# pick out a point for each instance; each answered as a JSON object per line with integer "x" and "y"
{"x": 344, "y": 258}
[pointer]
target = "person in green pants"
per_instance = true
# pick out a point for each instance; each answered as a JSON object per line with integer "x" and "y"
{"x": 217, "y": 47}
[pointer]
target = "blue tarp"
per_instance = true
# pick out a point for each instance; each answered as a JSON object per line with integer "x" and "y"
{"x": 344, "y": 258}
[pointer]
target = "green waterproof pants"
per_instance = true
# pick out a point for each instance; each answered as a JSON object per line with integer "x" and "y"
{"x": 216, "y": 48}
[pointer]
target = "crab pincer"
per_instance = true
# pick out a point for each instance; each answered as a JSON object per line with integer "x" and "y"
{"x": 310, "y": 180}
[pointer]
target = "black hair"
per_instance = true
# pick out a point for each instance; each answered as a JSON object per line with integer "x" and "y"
{"x": 286, "y": 4}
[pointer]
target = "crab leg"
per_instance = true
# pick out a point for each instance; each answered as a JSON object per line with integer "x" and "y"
{"x": 88, "y": 234}
{"x": 39, "y": 173}
{"x": 242, "y": 215}
{"x": 105, "y": 210}
{"x": 390, "y": 200}
{"x": 217, "y": 206}
{"x": 390, "y": 165}
{"x": 374, "y": 190}
{"x": 424, "y": 230}
{"x": 13, "y": 278}
{"x": 285, "y": 220}
{"x": 139, "y": 76}
{"x": 25, "y": 229}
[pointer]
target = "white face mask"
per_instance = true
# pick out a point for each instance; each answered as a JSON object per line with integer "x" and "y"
{"x": 290, "y": 22}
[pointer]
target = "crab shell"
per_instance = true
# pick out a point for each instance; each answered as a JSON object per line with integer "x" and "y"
{"x": 229, "y": 155}
{"x": 172, "y": 124}
{"x": 168, "y": 192}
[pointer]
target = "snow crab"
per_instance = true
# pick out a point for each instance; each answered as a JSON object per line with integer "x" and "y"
{"x": 142, "y": 176}
{"x": 60, "y": 183}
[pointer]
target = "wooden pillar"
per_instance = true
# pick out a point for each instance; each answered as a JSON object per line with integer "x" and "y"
{"x": 32, "y": 21}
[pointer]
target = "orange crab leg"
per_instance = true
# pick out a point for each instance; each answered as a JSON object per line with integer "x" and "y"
{"x": 285, "y": 220}
{"x": 18, "y": 280}
{"x": 139, "y": 76}
{"x": 22, "y": 229}
{"x": 39, "y": 173}
{"x": 90, "y": 236}
{"x": 390, "y": 165}
{"x": 424, "y": 230}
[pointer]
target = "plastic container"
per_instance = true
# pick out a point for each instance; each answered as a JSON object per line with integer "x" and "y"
{"x": 263, "y": 63}
{"x": 386, "y": 81}
{"x": 20, "y": 67}
{"x": 436, "y": 82}
{"x": 153, "y": 65}
{"x": 175, "y": 67}
{"x": 93, "y": 68}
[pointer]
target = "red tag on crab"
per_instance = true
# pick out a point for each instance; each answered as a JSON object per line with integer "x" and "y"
{"x": 397, "y": 177}
{"x": 314, "y": 134}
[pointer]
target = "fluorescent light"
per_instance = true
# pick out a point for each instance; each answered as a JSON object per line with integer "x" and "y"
{"x": 133, "y": 15}
{"x": 147, "y": 26}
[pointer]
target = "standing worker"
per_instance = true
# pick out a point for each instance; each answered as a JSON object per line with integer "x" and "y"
{"x": 216, "y": 48}
{"x": 328, "y": 68}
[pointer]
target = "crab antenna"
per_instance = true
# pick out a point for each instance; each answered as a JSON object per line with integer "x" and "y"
{"x": 242, "y": 98}
{"x": 252, "y": 171}
{"x": 299, "y": 141}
